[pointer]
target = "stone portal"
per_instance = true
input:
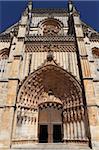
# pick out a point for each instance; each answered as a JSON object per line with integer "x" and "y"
{"x": 50, "y": 108}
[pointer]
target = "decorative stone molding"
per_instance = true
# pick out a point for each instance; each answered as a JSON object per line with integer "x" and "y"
{"x": 68, "y": 47}
{"x": 49, "y": 38}
{"x": 5, "y": 38}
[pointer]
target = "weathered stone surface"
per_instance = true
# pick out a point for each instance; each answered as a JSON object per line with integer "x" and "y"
{"x": 49, "y": 76}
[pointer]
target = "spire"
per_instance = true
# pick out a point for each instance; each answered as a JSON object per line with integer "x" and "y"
{"x": 30, "y": 5}
{"x": 71, "y": 10}
{"x": 71, "y": 7}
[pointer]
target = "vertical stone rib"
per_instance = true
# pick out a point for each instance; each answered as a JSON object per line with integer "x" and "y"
{"x": 35, "y": 61}
{"x": 24, "y": 64}
{"x": 45, "y": 56}
{"x": 61, "y": 59}
{"x": 83, "y": 129}
{"x": 71, "y": 128}
{"x": 74, "y": 63}
{"x": 32, "y": 62}
{"x": 76, "y": 66}
{"x": 69, "y": 62}
{"x": 54, "y": 53}
{"x": 66, "y": 60}
{"x": 68, "y": 132}
{"x": 27, "y": 64}
{"x": 64, "y": 63}
{"x": 58, "y": 58}
{"x": 75, "y": 130}
{"x": 42, "y": 57}
{"x": 64, "y": 126}
{"x": 30, "y": 58}
{"x": 79, "y": 130}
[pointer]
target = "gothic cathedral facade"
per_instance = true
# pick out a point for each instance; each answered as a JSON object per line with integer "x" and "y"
{"x": 49, "y": 81}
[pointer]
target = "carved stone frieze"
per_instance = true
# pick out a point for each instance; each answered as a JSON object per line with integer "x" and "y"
{"x": 68, "y": 47}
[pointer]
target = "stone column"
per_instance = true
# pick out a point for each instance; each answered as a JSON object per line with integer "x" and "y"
{"x": 36, "y": 128}
{"x": 64, "y": 132}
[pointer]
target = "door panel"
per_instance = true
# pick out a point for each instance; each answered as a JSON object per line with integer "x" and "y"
{"x": 47, "y": 118}
{"x": 56, "y": 133}
{"x": 43, "y": 138}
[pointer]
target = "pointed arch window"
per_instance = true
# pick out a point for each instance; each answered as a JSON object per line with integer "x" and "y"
{"x": 3, "y": 61}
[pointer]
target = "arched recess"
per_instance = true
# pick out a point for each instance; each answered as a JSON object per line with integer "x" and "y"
{"x": 50, "y": 27}
{"x": 50, "y": 86}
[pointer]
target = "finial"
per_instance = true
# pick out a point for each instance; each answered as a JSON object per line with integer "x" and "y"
{"x": 30, "y": 5}
{"x": 30, "y": 2}
{"x": 70, "y": 6}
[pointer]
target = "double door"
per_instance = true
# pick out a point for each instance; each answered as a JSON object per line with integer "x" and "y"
{"x": 50, "y": 133}
{"x": 50, "y": 125}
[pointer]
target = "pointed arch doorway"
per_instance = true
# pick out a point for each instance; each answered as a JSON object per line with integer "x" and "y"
{"x": 50, "y": 123}
{"x": 47, "y": 93}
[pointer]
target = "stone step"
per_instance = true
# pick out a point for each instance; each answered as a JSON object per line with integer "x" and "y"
{"x": 50, "y": 146}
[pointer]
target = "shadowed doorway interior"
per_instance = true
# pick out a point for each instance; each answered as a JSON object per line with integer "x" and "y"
{"x": 43, "y": 134}
{"x": 57, "y": 133}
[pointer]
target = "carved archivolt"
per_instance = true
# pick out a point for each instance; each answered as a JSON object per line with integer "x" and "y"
{"x": 51, "y": 86}
{"x": 36, "y": 87}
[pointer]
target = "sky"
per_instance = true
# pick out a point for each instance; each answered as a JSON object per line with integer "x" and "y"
{"x": 10, "y": 11}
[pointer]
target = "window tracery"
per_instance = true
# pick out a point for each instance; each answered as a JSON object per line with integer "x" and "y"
{"x": 51, "y": 27}
{"x": 3, "y": 61}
